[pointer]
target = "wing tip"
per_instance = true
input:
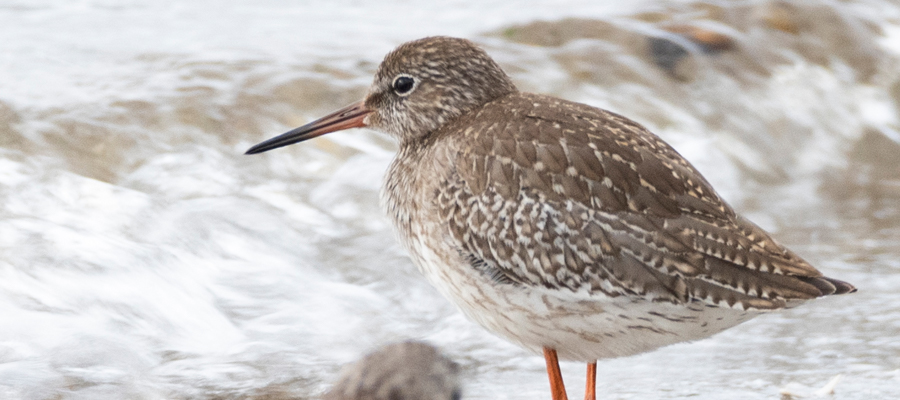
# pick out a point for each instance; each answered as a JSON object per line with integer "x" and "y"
{"x": 830, "y": 286}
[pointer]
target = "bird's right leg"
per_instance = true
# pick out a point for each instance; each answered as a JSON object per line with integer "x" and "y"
{"x": 557, "y": 387}
{"x": 590, "y": 390}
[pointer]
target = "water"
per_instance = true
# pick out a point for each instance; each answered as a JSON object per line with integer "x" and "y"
{"x": 142, "y": 256}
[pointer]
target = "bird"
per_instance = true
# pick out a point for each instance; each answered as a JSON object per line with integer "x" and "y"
{"x": 567, "y": 229}
{"x": 410, "y": 370}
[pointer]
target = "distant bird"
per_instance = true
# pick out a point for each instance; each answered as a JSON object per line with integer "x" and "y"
{"x": 400, "y": 371}
{"x": 559, "y": 226}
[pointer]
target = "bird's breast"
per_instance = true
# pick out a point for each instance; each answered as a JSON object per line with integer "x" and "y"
{"x": 408, "y": 194}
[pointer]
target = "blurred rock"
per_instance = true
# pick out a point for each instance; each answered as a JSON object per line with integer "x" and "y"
{"x": 876, "y": 148}
{"x": 558, "y": 33}
{"x": 779, "y": 15}
{"x": 401, "y": 371}
{"x": 710, "y": 41}
{"x": 874, "y": 167}
{"x": 668, "y": 54}
{"x": 733, "y": 38}
{"x": 8, "y": 118}
{"x": 869, "y": 183}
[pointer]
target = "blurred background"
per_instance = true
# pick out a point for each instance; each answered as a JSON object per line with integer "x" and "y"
{"x": 143, "y": 256}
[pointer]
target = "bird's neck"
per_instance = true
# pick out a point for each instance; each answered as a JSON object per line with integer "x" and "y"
{"x": 398, "y": 190}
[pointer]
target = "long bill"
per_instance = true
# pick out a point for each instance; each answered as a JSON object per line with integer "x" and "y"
{"x": 352, "y": 116}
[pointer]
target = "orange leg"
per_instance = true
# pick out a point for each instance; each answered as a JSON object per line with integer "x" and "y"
{"x": 590, "y": 390}
{"x": 557, "y": 387}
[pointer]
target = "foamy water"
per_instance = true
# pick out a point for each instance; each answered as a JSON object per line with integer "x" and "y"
{"x": 145, "y": 257}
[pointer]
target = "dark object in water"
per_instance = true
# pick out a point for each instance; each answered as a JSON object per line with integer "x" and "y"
{"x": 400, "y": 371}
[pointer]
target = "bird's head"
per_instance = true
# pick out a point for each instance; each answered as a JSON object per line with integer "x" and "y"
{"x": 419, "y": 87}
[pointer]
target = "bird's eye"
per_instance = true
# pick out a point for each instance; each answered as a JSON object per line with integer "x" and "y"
{"x": 404, "y": 84}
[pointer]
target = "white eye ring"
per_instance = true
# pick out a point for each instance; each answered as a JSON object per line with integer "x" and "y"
{"x": 404, "y": 85}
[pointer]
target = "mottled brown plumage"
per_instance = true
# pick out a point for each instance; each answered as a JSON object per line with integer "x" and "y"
{"x": 558, "y": 225}
{"x": 626, "y": 214}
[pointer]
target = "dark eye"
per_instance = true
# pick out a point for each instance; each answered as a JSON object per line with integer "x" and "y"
{"x": 404, "y": 84}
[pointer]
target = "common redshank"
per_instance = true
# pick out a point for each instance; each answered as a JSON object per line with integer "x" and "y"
{"x": 400, "y": 371}
{"x": 567, "y": 229}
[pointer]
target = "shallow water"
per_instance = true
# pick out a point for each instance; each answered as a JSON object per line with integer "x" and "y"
{"x": 144, "y": 257}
